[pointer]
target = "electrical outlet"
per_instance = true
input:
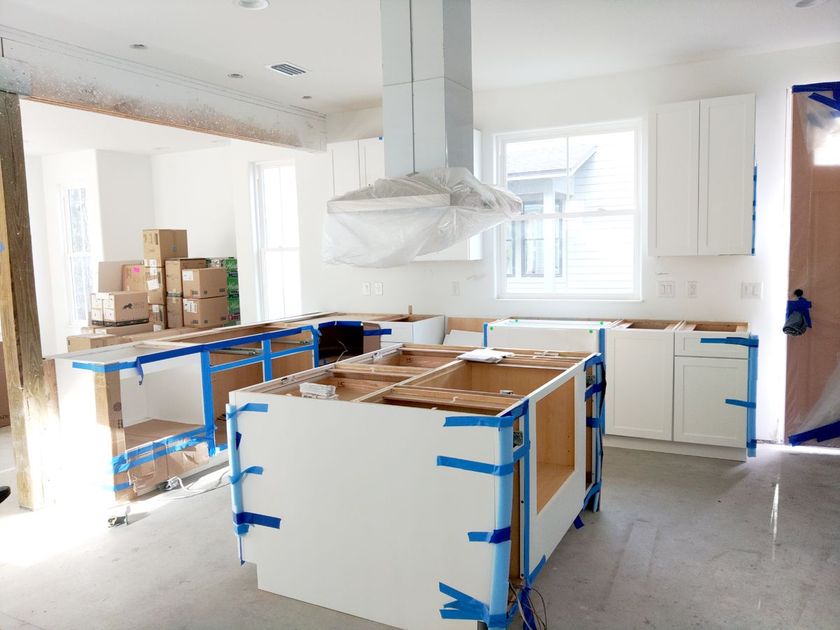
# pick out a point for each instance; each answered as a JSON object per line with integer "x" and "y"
{"x": 751, "y": 290}
{"x": 365, "y": 288}
{"x": 378, "y": 289}
{"x": 666, "y": 289}
{"x": 692, "y": 288}
{"x": 456, "y": 288}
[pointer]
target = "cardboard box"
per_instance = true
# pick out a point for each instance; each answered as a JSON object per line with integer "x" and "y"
{"x": 133, "y": 278}
{"x": 120, "y": 306}
{"x": 120, "y": 331}
{"x": 148, "y": 475}
{"x": 157, "y": 316}
{"x": 155, "y": 284}
{"x": 206, "y": 312}
{"x": 160, "y": 245}
{"x": 89, "y": 341}
{"x": 175, "y": 312}
{"x": 174, "y": 268}
{"x": 204, "y": 283}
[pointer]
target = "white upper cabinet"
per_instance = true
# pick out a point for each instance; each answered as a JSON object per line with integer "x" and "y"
{"x": 700, "y": 189}
{"x": 371, "y": 160}
{"x": 727, "y": 157}
{"x": 674, "y": 158}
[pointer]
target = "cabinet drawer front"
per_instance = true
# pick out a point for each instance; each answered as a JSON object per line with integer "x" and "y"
{"x": 701, "y": 387}
{"x": 688, "y": 344}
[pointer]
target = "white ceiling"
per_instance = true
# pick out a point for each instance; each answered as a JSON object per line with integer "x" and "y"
{"x": 515, "y": 42}
{"x": 49, "y": 129}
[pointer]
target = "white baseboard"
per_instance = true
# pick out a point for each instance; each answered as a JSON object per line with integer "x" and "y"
{"x": 677, "y": 448}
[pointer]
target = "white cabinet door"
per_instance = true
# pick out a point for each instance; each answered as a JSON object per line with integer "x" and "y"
{"x": 344, "y": 160}
{"x": 727, "y": 140}
{"x": 672, "y": 193}
{"x": 640, "y": 383}
{"x": 372, "y": 160}
{"x": 701, "y": 387}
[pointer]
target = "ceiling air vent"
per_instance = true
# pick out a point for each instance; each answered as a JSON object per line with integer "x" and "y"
{"x": 290, "y": 70}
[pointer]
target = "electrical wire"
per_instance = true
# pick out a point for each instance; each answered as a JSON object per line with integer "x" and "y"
{"x": 188, "y": 489}
{"x": 541, "y": 621}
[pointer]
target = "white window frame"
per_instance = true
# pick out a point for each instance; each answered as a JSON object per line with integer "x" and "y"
{"x": 259, "y": 236}
{"x": 64, "y": 201}
{"x": 637, "y": 125}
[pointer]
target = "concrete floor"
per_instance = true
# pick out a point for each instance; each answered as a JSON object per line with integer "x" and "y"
{"x": 681, "y": 542}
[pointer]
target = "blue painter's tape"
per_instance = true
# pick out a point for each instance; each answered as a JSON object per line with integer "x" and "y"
{"x": 578, "y": 523}
{"x": 255, "y": 407}
{"x": 825, "y": 100}
{"x": 494, "y": 537}
{"x": 593, "y": 490}
{"x": 246, "y": 519}
{"x": 536, "y": 570}
{"x": 464, "y": 606}
{"x": 593, "y": 423}
{"x": 820, "y": 434}
{"x": 122, "y": 486}
{"x": 750, "y": 342}
{"x": 473, "y": 466}
{"x": 597, "y": 359}
{"x": 339, "y": 323}
{"x": 817, "y": 87}
{"x": 496, "y": 422}
{"x": 251, "y": 470}
{"x": 238, "y": 439}
{"x": 484, "y": 339}
{"x": 596, "y": 388}
{"x": 376, "y": 333}
{"x": 740, "y": 403}
{"x": 522, "y": 451}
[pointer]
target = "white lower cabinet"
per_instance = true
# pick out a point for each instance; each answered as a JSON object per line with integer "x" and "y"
{"x": 701, "y": 414}
{"x": 640, "y": 383}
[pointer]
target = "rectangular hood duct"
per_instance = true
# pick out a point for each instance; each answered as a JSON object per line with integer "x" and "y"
{"x": 429, "y": 199}
{"x": 427, "y": 85}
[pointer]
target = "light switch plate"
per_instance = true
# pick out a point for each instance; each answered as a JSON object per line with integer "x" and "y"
{"x": 752, "y": 290}
{"x": 692, "y": 288}
{"x": 365, "y": 288}
{"x": 666, "y": 289}
{"x": 378, "y": 289}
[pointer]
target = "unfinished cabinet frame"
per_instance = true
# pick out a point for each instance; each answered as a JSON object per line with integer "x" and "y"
{"x": 427, "y": 489}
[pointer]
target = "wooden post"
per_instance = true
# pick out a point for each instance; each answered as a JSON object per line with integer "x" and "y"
{"x": 19, "y": 315}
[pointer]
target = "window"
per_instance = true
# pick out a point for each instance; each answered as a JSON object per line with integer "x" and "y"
{"x": 77, "y": 242}
{"x": 578, "y": 236}
{"x": 277, "y": 240}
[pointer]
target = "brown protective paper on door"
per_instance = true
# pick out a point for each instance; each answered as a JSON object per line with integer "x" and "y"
{"x": 813, "y": 358}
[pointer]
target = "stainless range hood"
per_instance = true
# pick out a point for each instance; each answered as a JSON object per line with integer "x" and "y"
{"x": 429, "y": 200}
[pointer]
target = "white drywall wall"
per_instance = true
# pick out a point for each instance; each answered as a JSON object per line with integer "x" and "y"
{"x": 61, "y": 171}
{"x": 40, "y": 254}
{"x": 192, "y": 190}
{"x": 429, "y": 286}
{"x": 126, "y": 203}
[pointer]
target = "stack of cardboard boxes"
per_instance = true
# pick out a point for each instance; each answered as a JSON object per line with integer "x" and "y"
{"x": 205, "y": 297}
{"x": 175, "y": 288}
{"x": 158, "y": 247}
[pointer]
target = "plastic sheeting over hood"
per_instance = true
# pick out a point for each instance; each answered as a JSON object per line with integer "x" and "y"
{"x": 397, "y": 219}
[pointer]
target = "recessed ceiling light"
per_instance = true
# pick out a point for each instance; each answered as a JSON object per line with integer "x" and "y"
{"x": 306, "y": 97}
{"x": 251, "y": 5}
{"x": 138, "y": 46}
{"x": 236, "y": 75}
{"x": 160, "y": 149}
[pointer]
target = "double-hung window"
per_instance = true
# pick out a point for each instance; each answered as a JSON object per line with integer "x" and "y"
{"x": 80, "y": 261}
{"x": 277, "y": 240}
{"x": 578, "y": 235}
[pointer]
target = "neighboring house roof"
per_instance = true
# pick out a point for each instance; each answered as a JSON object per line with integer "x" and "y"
{"x": 546, "y": 158}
